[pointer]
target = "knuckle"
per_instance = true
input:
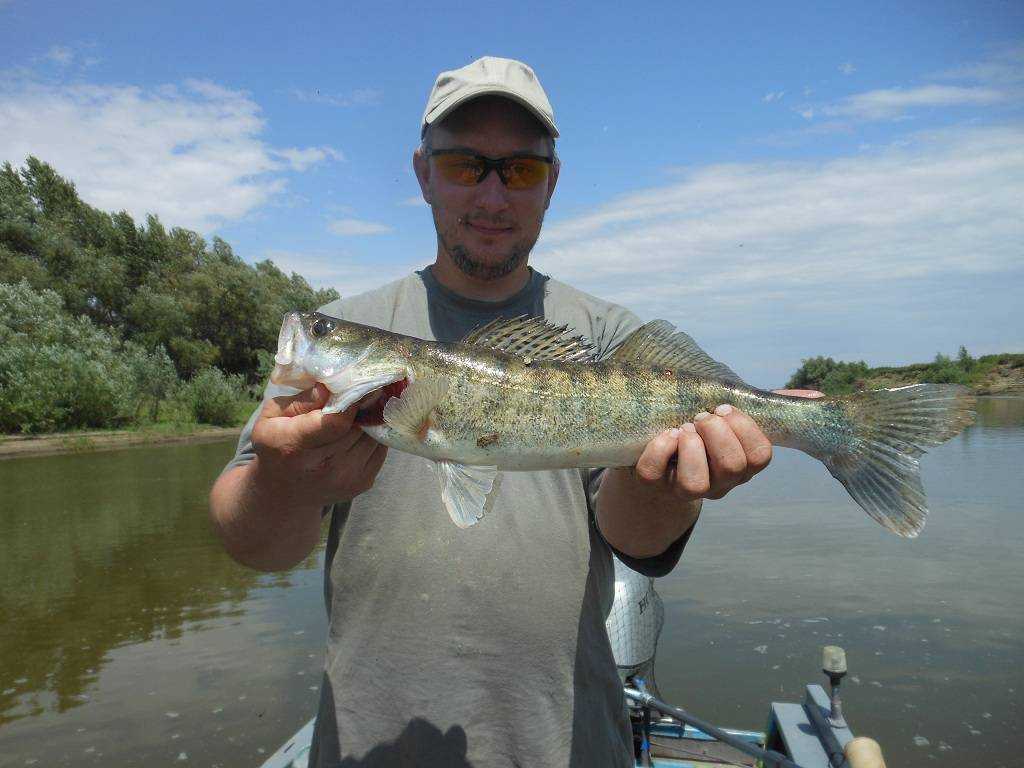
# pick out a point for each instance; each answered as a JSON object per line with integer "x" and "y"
{"x": 647, "y": 473}
{"x": 760, "y": 456}
{"x": 690, "y": 487}
{"x": 732, "y": 465}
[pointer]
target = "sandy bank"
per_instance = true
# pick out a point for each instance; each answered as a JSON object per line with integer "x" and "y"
{"x": 14, "y": 446}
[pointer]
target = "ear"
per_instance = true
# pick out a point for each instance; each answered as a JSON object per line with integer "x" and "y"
{"x": 556, "y": 166}
{"x": 421, "y": 166}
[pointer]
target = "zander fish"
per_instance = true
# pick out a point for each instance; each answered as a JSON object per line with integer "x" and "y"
{"x": 524, "y": 395}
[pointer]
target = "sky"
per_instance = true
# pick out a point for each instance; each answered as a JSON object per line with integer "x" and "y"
{"x": 780, "y": 180}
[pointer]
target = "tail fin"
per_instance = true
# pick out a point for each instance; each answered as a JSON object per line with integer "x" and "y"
{"x": 892, "y": 428}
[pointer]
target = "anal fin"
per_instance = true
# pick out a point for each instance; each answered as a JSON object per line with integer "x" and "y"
{"x": 468, "y": 492}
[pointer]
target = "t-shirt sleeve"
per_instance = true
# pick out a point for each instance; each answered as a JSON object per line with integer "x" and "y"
{"x": 656, "y": 566}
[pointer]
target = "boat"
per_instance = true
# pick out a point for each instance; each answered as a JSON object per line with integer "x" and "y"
{"x": 809, "y": 734}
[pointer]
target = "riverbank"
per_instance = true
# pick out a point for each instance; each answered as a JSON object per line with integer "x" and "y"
{"x": 15, "y": 446}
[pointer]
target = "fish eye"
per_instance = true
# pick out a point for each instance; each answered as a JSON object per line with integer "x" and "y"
{"x": 321, "y": 326}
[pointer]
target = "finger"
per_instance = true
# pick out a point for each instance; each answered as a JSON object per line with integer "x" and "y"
{"x": 756, "y": 446}
{"x": 653, "y": 462}
{"x": 351, "y": 452}
{"x": 292, "y": 405}
{"x": 317, "y": 429}
{"x": 376, "y": 460}
{"x": 693, "y": 476}
{"x": 727, "y": 460}
{"x": 812, "y": 393}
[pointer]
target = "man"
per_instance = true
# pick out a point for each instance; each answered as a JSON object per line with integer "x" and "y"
{"x": 483, "y": 646}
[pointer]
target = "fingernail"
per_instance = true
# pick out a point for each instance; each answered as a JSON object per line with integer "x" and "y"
{"x": 673, "y": 433}
{"x": 688, "y": 427}
{"x": 723, "y": 410}
{"x": 701, "y": 416}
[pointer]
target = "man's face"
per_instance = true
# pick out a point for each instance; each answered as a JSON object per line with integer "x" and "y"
{"x": 488, "y": 230}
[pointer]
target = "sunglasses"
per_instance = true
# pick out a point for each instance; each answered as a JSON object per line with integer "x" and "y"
{"x": 462, "y": 167}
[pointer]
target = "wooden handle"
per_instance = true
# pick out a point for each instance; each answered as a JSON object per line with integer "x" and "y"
{"x": 863, "y": 752}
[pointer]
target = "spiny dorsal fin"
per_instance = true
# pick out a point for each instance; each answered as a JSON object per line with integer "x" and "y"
{"x": 659, "y": 344}
{"x": 532, "y": 338}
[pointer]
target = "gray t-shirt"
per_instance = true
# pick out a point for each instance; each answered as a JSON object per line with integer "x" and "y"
{"x": 484, "y": 646}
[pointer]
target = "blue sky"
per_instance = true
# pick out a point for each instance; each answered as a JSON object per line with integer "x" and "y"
{"x": 781, "y": 180}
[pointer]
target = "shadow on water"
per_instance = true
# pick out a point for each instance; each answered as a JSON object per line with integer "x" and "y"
{"x": 100, "y": 552}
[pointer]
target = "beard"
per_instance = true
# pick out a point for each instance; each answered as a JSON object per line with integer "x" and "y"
{"x": 476, "y": 267}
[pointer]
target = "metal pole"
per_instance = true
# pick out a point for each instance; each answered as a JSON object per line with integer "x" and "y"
{"x": 772, "y": 757}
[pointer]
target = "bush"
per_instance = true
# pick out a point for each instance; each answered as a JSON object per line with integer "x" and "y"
{"x": 59, "y": 372}
{"x": 213, "y": 397}
{"x": 829, "y": 376}
{"x": 56, "y": 371}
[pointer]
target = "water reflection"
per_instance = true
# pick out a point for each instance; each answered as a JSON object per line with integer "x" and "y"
{"x": 788, "y": 564}
{"x": 128, "y": 637}
{"x": 99, "y": 552}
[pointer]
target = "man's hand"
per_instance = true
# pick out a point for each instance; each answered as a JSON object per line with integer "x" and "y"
{"x": 321, "y": 457}
{"x": 267, "y": 512}
{"x": 713, "y": 454}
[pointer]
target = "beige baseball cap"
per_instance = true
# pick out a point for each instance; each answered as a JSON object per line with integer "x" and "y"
{"x": 489, "y": 75}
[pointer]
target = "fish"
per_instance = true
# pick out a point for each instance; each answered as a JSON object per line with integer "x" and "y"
{"x": 526, "y": 395}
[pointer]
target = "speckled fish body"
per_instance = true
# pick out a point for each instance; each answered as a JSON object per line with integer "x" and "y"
{"x": 546, "y": 404}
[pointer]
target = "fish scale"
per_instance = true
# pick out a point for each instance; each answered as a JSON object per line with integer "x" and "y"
{"x": 521, "y": 395}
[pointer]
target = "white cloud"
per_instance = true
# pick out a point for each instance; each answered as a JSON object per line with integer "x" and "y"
{"x": 414, "y": 202}
{"x": 351, "y": 227}
{"x": 190, "y": 153}
{"x": 773, "y": 96}
{"x": 752, "y": 235}
{"x": 1004, "y": 67}
{"x": 358, "y": 97}
{"x": 847, "y": 68}
{"x": 347, "y": 275}
{"x": 301, "y": 159}
{"x": 60, "y": 55}
{"x": 888, "y": 103}
{"x": 994, "y": 81}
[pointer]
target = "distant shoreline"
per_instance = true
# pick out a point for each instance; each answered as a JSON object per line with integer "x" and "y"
{"x": 52, "y": 444}
{"x": 56, "y": 443}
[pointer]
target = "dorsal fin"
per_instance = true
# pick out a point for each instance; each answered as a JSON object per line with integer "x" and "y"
{"x": 532, "y": 338}
{"x": 659, "y": 344}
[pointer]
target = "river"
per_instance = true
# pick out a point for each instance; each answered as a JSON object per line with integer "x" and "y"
{"x": 128, "y": 638}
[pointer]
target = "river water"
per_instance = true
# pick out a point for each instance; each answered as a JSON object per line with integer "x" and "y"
{"x": 128, "y": 638}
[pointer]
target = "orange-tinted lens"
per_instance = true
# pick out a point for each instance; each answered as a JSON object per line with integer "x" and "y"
{"x": 459, "y": 169}
{"x": 525, "y": 172}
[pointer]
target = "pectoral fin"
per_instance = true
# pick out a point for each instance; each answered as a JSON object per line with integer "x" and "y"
{"x": 410, "y": 414}
{"x": 468, "y": 492}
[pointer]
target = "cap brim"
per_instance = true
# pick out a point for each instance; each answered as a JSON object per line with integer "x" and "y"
{"x": 446, "y": 108}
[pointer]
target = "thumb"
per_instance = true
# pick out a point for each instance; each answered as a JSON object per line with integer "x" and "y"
{"x": 295, "y": 405}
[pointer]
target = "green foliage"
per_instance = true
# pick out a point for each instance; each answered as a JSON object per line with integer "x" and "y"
{"x": 102, "y": 317}
{"x": 200, "y": 302}
{"x": 987, "y": 373}
{"x": 63, "y": 372}
{"x": 213, "y": 397}
{"x": 946, "y": 371}
{"x": 829, "y": 376}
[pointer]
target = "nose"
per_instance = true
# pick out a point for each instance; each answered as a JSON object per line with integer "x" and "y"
{"x": 492, "y": 194}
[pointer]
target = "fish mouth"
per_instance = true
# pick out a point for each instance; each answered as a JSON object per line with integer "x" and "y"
{"x": 292, "y": 345}
{"x": 371, "y": 411}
